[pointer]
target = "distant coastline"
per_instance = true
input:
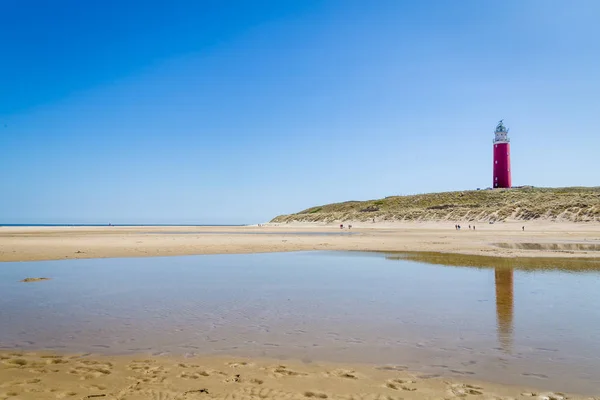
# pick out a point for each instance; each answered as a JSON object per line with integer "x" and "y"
{"x": 84, "y": 225}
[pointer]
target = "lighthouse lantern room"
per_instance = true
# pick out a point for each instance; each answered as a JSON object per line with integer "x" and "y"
{"x": 502, "y": 178}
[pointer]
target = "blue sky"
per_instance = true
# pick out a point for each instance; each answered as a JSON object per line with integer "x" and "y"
{"x": 237, "y": 111}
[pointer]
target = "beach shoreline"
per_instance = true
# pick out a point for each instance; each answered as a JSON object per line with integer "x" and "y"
{"x": 44, "y": 375}
{"x": 539, "y": 239}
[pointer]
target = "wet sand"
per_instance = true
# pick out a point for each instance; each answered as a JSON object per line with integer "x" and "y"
{"x": 50, "y": 376}
{"x": 540, "y": 239}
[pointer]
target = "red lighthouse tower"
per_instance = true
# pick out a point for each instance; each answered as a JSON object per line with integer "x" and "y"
{"x": 501, "y": 158}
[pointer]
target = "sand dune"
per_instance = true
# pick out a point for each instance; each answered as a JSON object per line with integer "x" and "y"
{"x": 526, "y": 204}
{"x": 50, "y": 376}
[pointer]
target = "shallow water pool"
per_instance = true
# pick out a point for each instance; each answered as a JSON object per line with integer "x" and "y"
{"x": 538, "y": 327}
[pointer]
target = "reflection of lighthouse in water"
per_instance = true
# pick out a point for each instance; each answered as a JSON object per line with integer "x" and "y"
{"x": 504, "y": 306}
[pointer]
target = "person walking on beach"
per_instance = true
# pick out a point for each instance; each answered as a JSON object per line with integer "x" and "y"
{"x": 523, "y": 229}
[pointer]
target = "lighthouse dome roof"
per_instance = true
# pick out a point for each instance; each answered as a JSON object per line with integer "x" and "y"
{"x": 500, "y": 127}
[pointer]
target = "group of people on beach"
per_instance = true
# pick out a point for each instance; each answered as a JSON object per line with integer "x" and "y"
{"x": 457, "y": 227}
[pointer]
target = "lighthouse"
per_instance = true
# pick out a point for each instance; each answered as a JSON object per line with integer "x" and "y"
{"x": 501, "y": 158}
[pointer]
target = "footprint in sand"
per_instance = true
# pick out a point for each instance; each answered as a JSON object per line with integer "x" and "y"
{"x": 462, "y": 390}
{"x": 401, "y": 384}
{"x": 236, "y": 379}
{"x": 547, "y": 396}
{"x": 343, "y": 373}
{"x": 98, "y": 387}
{"x": 65, "y": 395}
{"x": 282, "y": 370}
{"x": 145, "y": 367}
{"x": 16, "y": 362}
{"x": 239, "y": 364}
{"x": 254, "y": 393}
{"x": 92, "y": 362}
{"x": 12, "y": 384}
{"x": 56, "y": 360}
{"x": 193, "y": 375}
{"x": 183, "y": 365}
{"x": 92, "y": 372}
{"x": 154, "y": 395}
{"x": 370, "y": 397}
{"x": 153, "y": 379}
{"x": 21, "y": 363}
{"x": 315, "y": 395}
{"x": 36, "y": 364}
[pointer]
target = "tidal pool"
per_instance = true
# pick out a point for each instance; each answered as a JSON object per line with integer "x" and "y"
{"x": 517, "y": 321}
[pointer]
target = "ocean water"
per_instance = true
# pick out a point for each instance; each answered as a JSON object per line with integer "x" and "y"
{"x": 510, "y": 321}
{"x": 58, "y": 225}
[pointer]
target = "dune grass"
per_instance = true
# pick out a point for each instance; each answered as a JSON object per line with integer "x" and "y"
{"x": 575, "y": 204}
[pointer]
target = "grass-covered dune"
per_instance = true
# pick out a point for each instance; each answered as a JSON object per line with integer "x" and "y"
{"x": 574, "y": 204}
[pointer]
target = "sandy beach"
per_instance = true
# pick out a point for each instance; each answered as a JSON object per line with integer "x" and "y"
{"x": 84, "y": 376}
{"x": 552, "y": 239}
{"x": 39, "y": 375}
